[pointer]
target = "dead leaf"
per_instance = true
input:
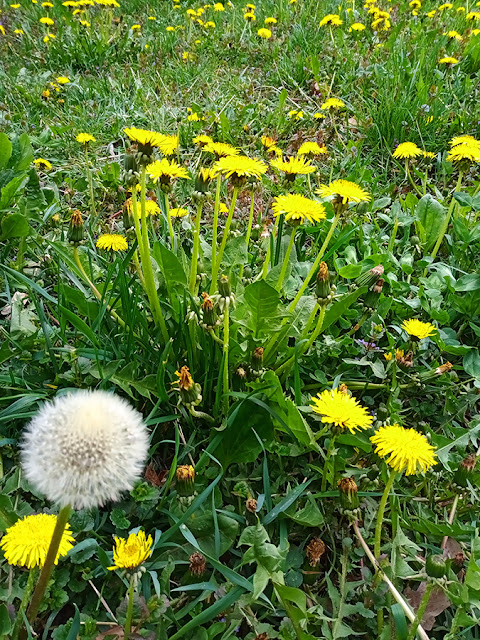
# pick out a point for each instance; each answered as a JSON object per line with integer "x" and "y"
{"x": 437, "y": 604}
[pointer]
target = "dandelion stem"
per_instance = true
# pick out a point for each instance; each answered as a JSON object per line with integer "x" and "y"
{"x": 269, "y": 251}
{"x": 26, "y": 597}
{"x": 398, "y": 597}
{"x": 201, "y": 414}
{"x": 169, "y": 219}
{"x": 226, "y": 344}
{"x": 196, "y": 245}
{"x": 409, "y": 176}
{"x": 450, "y": 518}
{"x": 46, "y": 572}
{"x": 249, "y": 230}
{"x": 218, "y": 259}
{"x": 331, "y": 447}
{"x": 444, "y": 228}
{"x": 215, "y": 220}
{"x": 93, "y": 210}
{"x": 286, "y": 259}
{"x": 420, "y": 611}
{"x": 129, "y": 615}
{"x": 391, "y": 242}
{"x": 380, "y": 514}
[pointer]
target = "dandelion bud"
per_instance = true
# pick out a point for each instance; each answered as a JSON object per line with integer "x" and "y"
{"x": 185, "y": 477}
{"x": 224, "y": 287}
{"x": 348, "y": 493}
{"x": 405, "y": 361}
{"x": 209, "y": 314}
{"x": 315, "y": 550}
{"x": 458, "y": 561}
{"x": 251, "y": 505}
{"x": 370, "y": 277}
{"x": 203, "y": 180}
{"x": 443, "y": 368}
{"x": 436, "y": 566}
{"x": 198, "y": 564}
{"x": 242, "y": 490}
{"x": 84, "y": 449}
{"x": 190, "y": 391}
{"x": 323, "y": 289}
{"x": 257, "y": 358}
{"x": 75, "y": 228}
{"x": 372, "y": 297}
{"x": 465, "y": 471}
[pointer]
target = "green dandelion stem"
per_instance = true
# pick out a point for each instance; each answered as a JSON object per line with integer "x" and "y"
{"x": 391, "y": 242}
{"x": 310, "y": 320}
{"x": 318, "y": 259}
{"x": 226, "y": 345}
{"x": 409, "y": 176}
{"x": 215, "y": 337}
{"x": 93, "y": 210}
{"x": 215, "y": 220}
{"x": 395, "y": 593}
{"x": 331, "y": 448}
{"x": 249, "y": 230}
{"x": 196, "y": 246}
{"x": 129, "y": 615}
{"x": 421, "y": 610}
{"x": 286, "y": 259}
{"x": 138, "y": 268}
{"x": 444, "y": 228}
{"x": 450, "y": 518}
{"x": 269, "y": 250}
{"x": 381, "y": 513}
{"x": 46, "y": 572}
{"x": 218, "y": 260}
{"x": 169, "y": 219}
{"x": 201, "y": 414}
{"x": 27, "y": 594}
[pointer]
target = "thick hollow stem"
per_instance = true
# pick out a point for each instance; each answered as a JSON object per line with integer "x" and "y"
{"x": 420, "y": 611}
{"x": 215, "y": 220}
{"x": 249, "y": 230}
{"x": 286, "y": 259}
{"x": 169, "y": 219}
{"x": 331, "y": 447}
{"x": 380, "y": 514}
{"x": 93, "y": 210}
{"x": 129, "y": 615}
{"x": 226, "y": 344}
{"x": 46, "y": 572}
{"x": 196, "y": 245}
{"x": 218, "y": 259}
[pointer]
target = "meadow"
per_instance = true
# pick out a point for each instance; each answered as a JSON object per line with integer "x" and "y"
{"x": 239, "y": 320}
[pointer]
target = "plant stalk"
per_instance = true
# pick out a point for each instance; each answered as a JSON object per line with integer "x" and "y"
{"x": 196, "y": 246}
{"x": 286, "y": 259}
{"x": 218, "y": 259}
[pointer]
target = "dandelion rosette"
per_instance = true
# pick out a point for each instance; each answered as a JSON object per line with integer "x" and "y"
{"x": 341, "y": 410}
{"x": 297, "y": 208}
{"x": 112, "y": 242}
{"x": 345, "y": 190}
{"x": 26, "y": 543}
{"x": 84, "y": 448}
{"x": 418, "y": 329}
{"x": 404, "y": 449}
{"x": 132, "y": 552}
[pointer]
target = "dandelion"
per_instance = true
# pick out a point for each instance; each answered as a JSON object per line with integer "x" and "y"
{"x": 319, "y": 116}
{"x": 311, "y": 149}
{"x": 178, "y": 212}
{"x": 41, "y": 163}
{"x": 84, "y": 449}
{"x": 112, "y": 242}
{"x": 454, "y": 35}
{"x": 145, "y": 139}
{"x": 164, "y": 171}
{"x": 221, "y": 149}
{"x": 341, "y": 410}
{"x": 85, "y": 138}
{"x": 331, "y": 104}
{"x": 473, "y": 15}
{"x": 356, "y": 26}
{"x": 296, "y": 208}
{"x": 264, "y": 33}
{"x": 332, "y": 20}
{"x": 62, "y": 80}
{"x": 404, "y": 449}
{"x": 202, "y": 140}
{"x": 448, "y": 60}
{"x": 268, "y": 142}
{"x": 463, "y": 140}
{"x": 25, "y": 544}
{"x": 418, "y": 329}
{"x": 345, "y": 191}
{"x": 131, "y": 553}
{"x": 407, "y": 150}
{"x": 270, "y": 20}
{"x": 467, "y": 151}
{"x": 48, "y": 21}
{"x": 218, "y": 6}
{"x": 238, "y": 167}
{"x": 151, "y": 207}
{"x": 293, "y": 167}
{"x": 249, "y": 16}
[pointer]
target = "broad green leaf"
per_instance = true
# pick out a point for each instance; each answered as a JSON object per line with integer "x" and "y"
{"x": 235, "y": 252}
{"x": 340, "y": 306}
{"x": 262, "y": 301}
{"x": 469, "y": 282}
{"x": 169, "y": 264}
{"x": 5, "y": 150}
{"x": 309, "y": 516}
{"x": 291, "y": 594}
{"x": 14, "y": 226}
{"x": 6, "y": 622}
{"x": 8, "y": 517}
{"x": 430, "y": 217}
{"x": 9, "y": 191}
{"x": 22, "y": 153}
{"x": 471, "y": 363}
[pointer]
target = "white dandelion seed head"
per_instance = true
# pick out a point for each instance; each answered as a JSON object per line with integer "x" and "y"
{"x": 85, "y": 448}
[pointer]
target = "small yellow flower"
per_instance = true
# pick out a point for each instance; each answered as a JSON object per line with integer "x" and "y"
{"x": 404, "y": 449}
{"x": 166, "y": 170}
{"x": 220, "y": 149}
{"x": 19, "y": 32}
{"x": 407, "y": 150}
{"x": 131, "y": 553}
{"x": 296, "y": 207}
{"x": 418, "y": 329}
{"x": 331, "y": 104}
{"x": 202, "y": 140}
{"x": 466, "y": 151}
{"x": 388, "y": 356}
{"x": 170, "y": 29}
{"x": 151, "y": 207}
{"x": 345, "y": 190}
{"x": 112, "y": 242}
{"x": 270, "y": 20}
{"x": 85, "y": 138}
{"x": 357, "y": 26}
{"x": 454, "y": 35}
{"x": 332, "y": 19}
{"x": 240, "y": 167}
{"x": 311, "y": 149}
{"x": 341, "y": 410}
{"x": 25, "y": 544}
{"x": 218, "y": 6}
{"x": 264, "y": 33}
{"x": 48, "y": 21}
{"x": 135, "y": 27}
{"x": 295, "y": 165}
{"x": 249, "y": 16}
{"x": 179, "y": 212}
{"x": 319, "y": 116}
{"x": 448, "y": 60}
{"x": 41, "y": 163}
{"x": 473, "y": 15}
{"x": 63, "y": 80}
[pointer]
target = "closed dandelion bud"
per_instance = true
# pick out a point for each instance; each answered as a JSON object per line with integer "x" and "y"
{"x": 465, "y": 471}
{"x": 251, "y": 505}
{"x": 405, "y": 361}
{"x": 348, "y": 494}
{"x": 224, "y": 288}
{"x": 372, "y": 297}
{"x": 185, "y": 480}
{"x": 247, "y": 272}
{"x": 198, "y": 564}
{"x": 209, "y": 314}
{"x": 257, "y": 358}
{"x": 315, "y": 550}
{"x": 242, "y": 490}
{"x": 75, "y": 228}
{"x": 370, "y": 277}
{"x": 436, "y": 566}
{"x": 323, "y": 288}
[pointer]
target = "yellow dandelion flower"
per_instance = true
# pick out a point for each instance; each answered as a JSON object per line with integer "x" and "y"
{"x": 404, "y": 449}
{"x": 311, "y": 149}
{"x": 240, "y": 167}
{"x": 218, "y": 6}
{"x": 345, "y": 190}
{"x": 17, "y": 6}
{"x": 445, "y": 6}
{"x": 178, "y": 212}
{"x": 448, "y": 60}
{"x": 270, "y": 20}
{"x": 264, "y": 33}
{"x": 166, "y": 170}
{"x": 151, "y": 207}
{"x": 48, "y": 21}
{"x": 112, "y": 242}
{"x": 249, "y": 16}
{"x": 332, "y": 19}
{"x": 19, "y": 32}
{"x": 168, "y": 144}
{"x": 418, "y": 329}
{"x": 85, "y": 138}
{"x": 473, "y": 15}
{"x": 135, "y": 27}
{"x": 170, "y": 29}
{"x": 41, "y": 163}
{"x": 429, "y": 154}
{"x": 388, "y": 356}
{"x": 268, "y": 142}
{"x": 25, "y": 544}
{"x": 223, "y": 208}
{"x": 63, "y": 80}
{"x": 475, "y": 32}
{"x": 454, "y": 35}
{"x": 202, "y": 140}
{"x": 319, "y": 116}
{"x": 466, "y": 151}
{"x": 332, "y": 104}
{"x": 131, "y": 553}
{"x": 221, "y": 149}
{"x": 357, "y": 26}
{"x": 407, "y": 150}
{"x": 296, "y": 207}
{"x": 341, "y": 410}
{"x": 294, "y": 166}
{"x": 462, "y": 140}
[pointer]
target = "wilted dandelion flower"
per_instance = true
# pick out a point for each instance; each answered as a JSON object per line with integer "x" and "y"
{"x": 112, "y": 242}
{"x": 25, "y": 544}
{"x": 41, "y": 163}
{"x": 331, "y": 104}
{"x": 407, "y": 150}
{"x": 404, "y": 449}
{"x": 131, "y": 553}
{"x": 418, "y": 329}
{"x": 345, "y": 190}
{"x": 84, "y": 448}
{"x": 296, "y": 207}
{"x": 85, "y": 138}
{"x": 264, "y": 33}
{"x": 341, "y": 410}
{"x": 332, "y": 19}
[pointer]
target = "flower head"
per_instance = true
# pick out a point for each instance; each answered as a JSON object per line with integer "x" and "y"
{"x": 221, "y": 149}
{"x": 345, "y": 190}
{"x": 270, "y": 20}
{"x": 418, "y": 329}
{"x": 41, "y": 163}
{"x": 356, "y": 26}
{"x": 407, "y": 150}
{"x": 407, "y": 450}
{"x": 84, "y": 448}
{"x": 463, "y": 140}
{"x": 25, "y": 544}
{"x": 295, "y": 207}
{"x": 264, "y": 33}
{"x": 295, "y": 165}
{"x": 112, "y": 242}
{"x": 131, "y": 553}
{"x": 448, "y": 60}
{"x": 311, "y": 149}
{"x": 166, "y": 170}
{"x": 332, "y": 19}
{"x": 85, "y": 138}
{"x": 240, "y": 167}
{"x": 48, "y": 21}
{"x": 202, "y": 140}
{"x": 151, "y": 207}
{"x": 469, "y": 151}
{"x": 331, "y": 104}
{"x": 178, "y": 212}
{"x": 342, "y": 410}
{"x": 145, "y": 139}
